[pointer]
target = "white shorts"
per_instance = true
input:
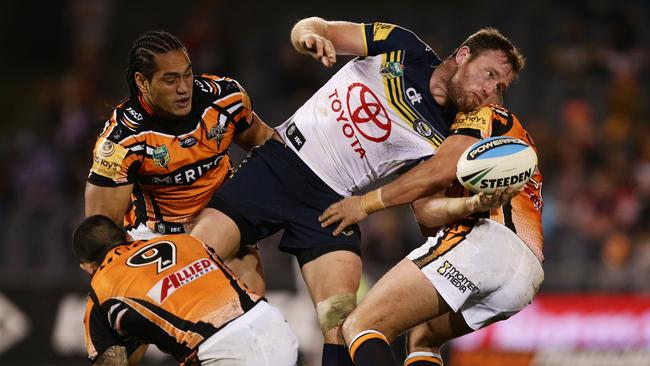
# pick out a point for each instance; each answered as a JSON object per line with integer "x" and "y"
{"x": 142, "y": 232}
{"x": 486, "y": 272}
{"x": 260, "y": 337}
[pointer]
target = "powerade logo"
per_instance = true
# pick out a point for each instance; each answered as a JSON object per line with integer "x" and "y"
{"x": 456, "y": 278}
{"x": 492, "y": 143}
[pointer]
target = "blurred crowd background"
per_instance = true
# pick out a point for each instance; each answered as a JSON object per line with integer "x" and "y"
{"x": 583, "y": 96}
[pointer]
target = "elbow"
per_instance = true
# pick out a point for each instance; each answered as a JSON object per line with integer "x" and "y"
{"x": 419, "y": 209}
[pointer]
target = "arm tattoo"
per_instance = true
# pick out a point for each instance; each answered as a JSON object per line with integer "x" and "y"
{"x": 113, "y": 356}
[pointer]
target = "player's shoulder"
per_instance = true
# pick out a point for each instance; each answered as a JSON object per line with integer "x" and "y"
{"x": 128, "y": 118}
{"x": 483, "y": 116}
{"x": 214, "y": 87}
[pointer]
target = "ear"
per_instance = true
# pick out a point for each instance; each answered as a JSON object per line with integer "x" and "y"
{"x": 462, "y": 55}
{"x": 89, "y": 267}
{"x": 142, "y": 82}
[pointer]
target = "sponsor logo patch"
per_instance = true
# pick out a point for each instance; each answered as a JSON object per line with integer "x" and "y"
{"x": 134, "y": 114}
{"x": 107, "y": 159}
{"x": 413, "y": 96}
{"x": 170, "y": 283}
{"x": 295, "y": 137}
{"x": 380, "y": 31}
{"x": 476, "y": 120}
{"x": 188, "y": 142}
{"x": 456, "y": 278}
{"x": 186, "y": 175}
{"x": 423, "y": 128}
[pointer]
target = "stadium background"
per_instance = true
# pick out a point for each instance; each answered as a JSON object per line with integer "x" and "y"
{"x": 583, "y": 96}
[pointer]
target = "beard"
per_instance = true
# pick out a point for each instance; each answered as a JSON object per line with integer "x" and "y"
{"x": 464, "y": 100}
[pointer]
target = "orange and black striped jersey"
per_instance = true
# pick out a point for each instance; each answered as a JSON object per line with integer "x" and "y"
{"x": 175, "y": 165}
{"x": 172, "y": 291}
{"x": 523, "y": 214}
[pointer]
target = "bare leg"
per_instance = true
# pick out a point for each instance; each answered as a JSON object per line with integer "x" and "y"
{"x": 329, "y": 275}
{"x": 220, "y": 232}
{"x": 401, "y": 299}
{"x": 426, "y": 339}
{"x": 247, "y": 266}
{"x": 430, "y": 336}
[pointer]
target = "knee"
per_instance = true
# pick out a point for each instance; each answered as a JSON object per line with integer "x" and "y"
{"x": 422, "y": 338}
{"x": 333, "y": 311}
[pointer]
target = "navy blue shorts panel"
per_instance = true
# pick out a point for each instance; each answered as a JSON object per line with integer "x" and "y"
{"x": 274, "y": 190}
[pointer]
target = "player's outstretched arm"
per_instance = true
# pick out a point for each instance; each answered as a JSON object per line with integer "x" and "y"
{"x": 323, "y": 40}
{"x": 426, "y": 179}
{"x": 108, "y": 201}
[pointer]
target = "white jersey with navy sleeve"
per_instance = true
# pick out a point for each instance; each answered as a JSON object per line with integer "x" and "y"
{"x": 375, "y": 116}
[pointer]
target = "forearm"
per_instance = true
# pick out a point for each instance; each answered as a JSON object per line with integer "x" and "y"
{"x": 113, "y": 356}
{"x": 428, "y": 178}
{"x": 413, "y": 185}
{"x": 438, "y": 211}
{"x": 255, "y": 135}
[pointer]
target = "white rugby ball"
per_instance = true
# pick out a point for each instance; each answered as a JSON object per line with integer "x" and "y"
{"x": 496, "y": 162}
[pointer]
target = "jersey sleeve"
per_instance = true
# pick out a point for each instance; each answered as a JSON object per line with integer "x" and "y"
{"x": 99, "y": 336}
{"x": 243, "y": 114}
{"x": 488, "y": 121}
{"x": 230, "y": 98}
{"x": 384, "y": 37}
{"x": 98, "y": 333}
{"x": 113, "y": 163}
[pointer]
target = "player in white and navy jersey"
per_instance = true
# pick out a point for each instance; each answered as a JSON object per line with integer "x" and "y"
{"x": 383, "y": 112}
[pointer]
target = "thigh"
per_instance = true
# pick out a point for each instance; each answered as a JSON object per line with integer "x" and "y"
{"x": 401, "y": 299}
{"x": 247, "y": 266}
{"x": 335, "y": 273}
{"x": 218, "y": 231}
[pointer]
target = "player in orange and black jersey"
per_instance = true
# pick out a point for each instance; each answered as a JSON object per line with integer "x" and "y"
{"x": 483, "y": 265}
{"x": 174, "y": 292}
{"x": 522, "y": 215}
{"x": 164, "y": 150}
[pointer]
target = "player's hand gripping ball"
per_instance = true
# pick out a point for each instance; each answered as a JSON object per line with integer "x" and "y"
{"x": 496, "y": 162}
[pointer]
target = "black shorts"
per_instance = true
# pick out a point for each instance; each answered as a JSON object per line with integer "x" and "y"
{"x": 274, "y": 190}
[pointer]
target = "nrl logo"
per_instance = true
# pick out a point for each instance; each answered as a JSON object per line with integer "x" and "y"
{"x": 391, "y": 70}
{"x": 161, "y": 155}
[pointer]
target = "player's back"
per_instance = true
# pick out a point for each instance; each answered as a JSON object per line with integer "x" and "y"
{"x": 171, "y": 291}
